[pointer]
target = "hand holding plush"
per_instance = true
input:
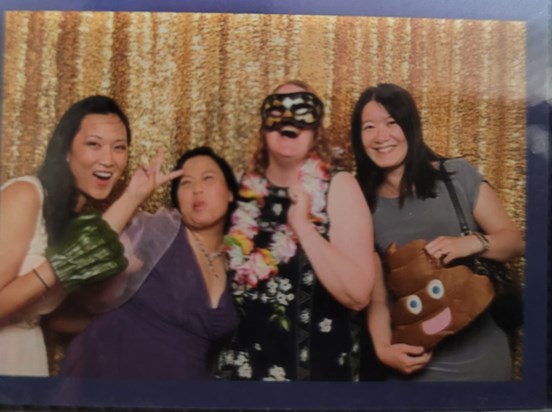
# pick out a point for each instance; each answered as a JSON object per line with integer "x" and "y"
{"x": 89, "y": 252}
{"x": 432, "y": 301}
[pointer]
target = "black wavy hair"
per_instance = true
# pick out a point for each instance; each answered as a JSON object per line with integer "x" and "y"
{"x": 420, "y": 176}
{"x": 229, "y": 177}
{"x": 61, "y": 193}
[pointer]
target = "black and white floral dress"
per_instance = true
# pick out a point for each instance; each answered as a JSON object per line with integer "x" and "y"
{"x": 291, "y": 328}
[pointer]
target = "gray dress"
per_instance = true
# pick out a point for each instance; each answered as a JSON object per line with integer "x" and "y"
{"x": 480, "y": 351}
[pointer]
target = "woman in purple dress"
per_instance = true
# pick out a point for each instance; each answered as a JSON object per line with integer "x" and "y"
{"x": 168, "y": 314}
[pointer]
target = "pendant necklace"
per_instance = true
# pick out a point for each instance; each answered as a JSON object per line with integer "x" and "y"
{"x": 210, "y": 257}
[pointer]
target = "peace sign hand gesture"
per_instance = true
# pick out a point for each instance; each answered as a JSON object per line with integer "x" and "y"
{"x": 147, "y": 178}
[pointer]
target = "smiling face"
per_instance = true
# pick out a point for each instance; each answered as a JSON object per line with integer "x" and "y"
{"x": 289, "y": 142}
{"x": 382, "y": 137}
{"x": 98, "y": 155}
{"x": 203, "y": 195}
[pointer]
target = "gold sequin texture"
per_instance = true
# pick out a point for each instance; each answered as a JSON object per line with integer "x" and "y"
{"x": 188, "y": 79}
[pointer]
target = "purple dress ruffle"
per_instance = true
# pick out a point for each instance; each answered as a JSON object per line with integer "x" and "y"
{"x": 167, "y": 330}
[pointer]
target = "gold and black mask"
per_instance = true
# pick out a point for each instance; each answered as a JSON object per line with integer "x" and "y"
{"x": 301, "y": 109}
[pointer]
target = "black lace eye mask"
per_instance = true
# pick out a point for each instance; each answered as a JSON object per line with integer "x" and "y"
{"x": 301, "y": 109}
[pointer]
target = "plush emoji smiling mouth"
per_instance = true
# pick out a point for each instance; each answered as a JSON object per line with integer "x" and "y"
{"x": 437, "y": 323}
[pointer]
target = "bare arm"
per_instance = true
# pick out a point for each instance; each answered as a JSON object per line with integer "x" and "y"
{"x": 504, "y": 237}
{"x": 345, "y": 264}
{"x": 144, "y": 181}
{"x": 17, "y": 230}
{"x": 505, "y": 241}
{"x": 404, "y": 358}
{"x": 18, "y": 225}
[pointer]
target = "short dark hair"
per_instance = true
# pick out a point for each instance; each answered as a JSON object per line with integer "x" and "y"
{"x": 420, "y": 175}
{"x": 54, "y": 173}
{"x": 229, "y": 177}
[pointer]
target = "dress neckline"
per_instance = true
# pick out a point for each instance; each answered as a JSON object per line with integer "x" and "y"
{"x": 212, "y": 305}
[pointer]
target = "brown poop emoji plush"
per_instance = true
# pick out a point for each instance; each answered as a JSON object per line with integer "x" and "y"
{"x": 431, "y": 301}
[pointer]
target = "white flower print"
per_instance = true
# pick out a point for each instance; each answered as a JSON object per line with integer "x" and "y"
{"x": 304, "y": 355}
{"x": 228, "y": 357}
{"x": 305, "y": 316}
{"x": 272, "y": 286}
{"x": 282, "y": 299}
{"x": 277, "y": 209}
{"x": 275, "y": 288}
{"x": 276, "y": 373}
{"x": 308, "y": 277}
{"x": 325, "y": 326}
{"x": 245, "y": 371}
{"x": 242, "y": 359}
{"x": 285, "y": 285}
{"x": 257, "y": 347}
{"x": 341, "y": 358}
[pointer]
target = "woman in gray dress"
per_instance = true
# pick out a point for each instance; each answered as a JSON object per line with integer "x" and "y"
{"x": 403, "y": 184}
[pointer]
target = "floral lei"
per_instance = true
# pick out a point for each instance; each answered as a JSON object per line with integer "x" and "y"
{"x": 251, "y": 264}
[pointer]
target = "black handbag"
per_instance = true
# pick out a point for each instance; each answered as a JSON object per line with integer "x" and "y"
{"x": 507, "y": 305}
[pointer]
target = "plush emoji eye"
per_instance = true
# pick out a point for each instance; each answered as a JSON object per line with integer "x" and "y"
{"x": 435, "y": 289}
{"x": 414, "y": 304}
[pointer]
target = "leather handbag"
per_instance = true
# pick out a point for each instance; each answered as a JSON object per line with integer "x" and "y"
{"x": 507, "y": 305}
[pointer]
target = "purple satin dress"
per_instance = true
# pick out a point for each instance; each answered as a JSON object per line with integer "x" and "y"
{"x": 167, "y": 330}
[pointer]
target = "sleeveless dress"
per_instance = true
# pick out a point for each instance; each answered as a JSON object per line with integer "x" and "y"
{"x": 481, "y": 350}
{"x": 290, "y": 328}
{"x": 166, "y": 330}
{"x": 22, "y": 347}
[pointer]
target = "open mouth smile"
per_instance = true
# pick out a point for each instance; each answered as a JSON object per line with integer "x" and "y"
{"x": 103, "y": 175}
{"x": 291, "y": 133}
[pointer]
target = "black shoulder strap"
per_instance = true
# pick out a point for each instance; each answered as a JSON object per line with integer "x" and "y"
{"x": 464, "y": 228}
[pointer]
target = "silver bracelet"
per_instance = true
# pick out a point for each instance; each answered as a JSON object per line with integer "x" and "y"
{"x": 484, "y": 241}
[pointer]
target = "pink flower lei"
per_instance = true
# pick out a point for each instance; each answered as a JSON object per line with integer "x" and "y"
{"x": 251, "y": 264}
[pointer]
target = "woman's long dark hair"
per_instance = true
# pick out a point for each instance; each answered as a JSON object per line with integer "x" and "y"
{"x": 229, "y": 177}
{"x": 61, "y": 193}
{"x": 420, "y": 176}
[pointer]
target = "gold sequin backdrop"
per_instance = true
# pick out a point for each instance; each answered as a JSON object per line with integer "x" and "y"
{"x": 187, "y": 79}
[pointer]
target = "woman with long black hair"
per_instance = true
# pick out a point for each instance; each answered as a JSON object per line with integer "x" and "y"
{"x": 46, "y": 249}
{"x": 405, "y": 187}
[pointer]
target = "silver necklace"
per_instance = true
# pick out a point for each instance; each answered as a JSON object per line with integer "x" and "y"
{"x": 209, "y": 256}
